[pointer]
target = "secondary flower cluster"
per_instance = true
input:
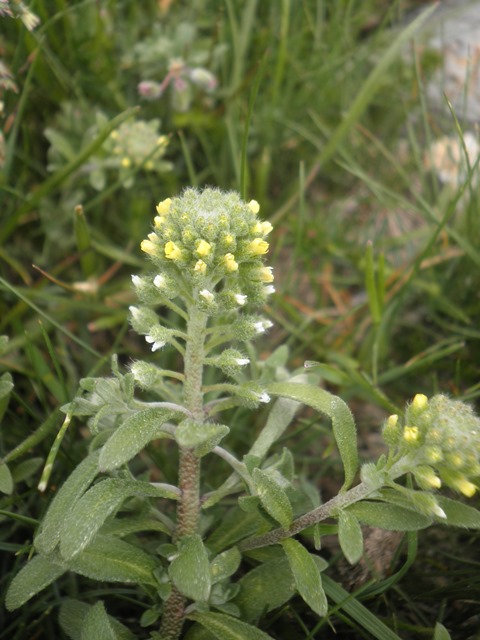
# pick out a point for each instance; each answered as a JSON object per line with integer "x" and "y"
{"x": 442, "y": 438}
{"x": 209, "y": 247}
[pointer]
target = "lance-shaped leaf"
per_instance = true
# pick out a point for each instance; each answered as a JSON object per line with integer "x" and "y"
{"x": 94, "y": 507}
{"x": 96, "y": 624}
{"x": 111, "y": 560}
{"x": 121, "y": 527}
{"x": 458, "y": 514}
{"x": 190, "y": 569}
{"x": 6, "y": 480}
{"x": 389, "y": 516}
{"x": 227, "y": 628}
{"x": 37, "y": 574}
{"x": 201, "y": 437}
{"x": 225, "y": 564}
{"x": 350, "y": 536}
{"x": 273, "y": 498}
{"x": 342, "y": 420}
{"x": 73, "y": 613}
{"x": 306, "y": 575}
{"x": 264, "y": 589}
{"x": 278, "y": 420}
{"x": 71, "y": 491}
{"x": 6, "y": 386}
{"x": 133, "y": 435}
{"x": 235, "y": 526}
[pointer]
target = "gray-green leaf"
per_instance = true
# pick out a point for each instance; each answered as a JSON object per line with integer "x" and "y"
{"x": 278, "y": 420}
{"x": 201, "y": 437}
{"x": 6, "y": 386}
{"x": 96, "y": 624}
{"x": 389, "y": 516}
{"x": 225, "y": 564}
{"x": 227, "y": 628}
{"x": 459, "y": 514}
{"x": 94, "y": 507}
{"x": 190, "y": 569}
{"x": 273, "y": 498}
{"x": 6, "y": 480}
{"x": 73, "y": 613}
{"x": 48, "y": 535}
{"x": 37, "y": 574}
{"x": 335, "y": 408}
{"x": 133, "y": 436}
{"x": 306, "y": 575}
{"x": 350, "y": 536}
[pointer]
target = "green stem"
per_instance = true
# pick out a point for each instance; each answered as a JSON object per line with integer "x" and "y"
{"x": 189, "y": 464}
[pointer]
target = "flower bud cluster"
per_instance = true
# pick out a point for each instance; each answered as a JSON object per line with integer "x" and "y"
{"x": 441, "y": 437}
{"x": 138, "y": 143}
{"x": 212, "y": 246}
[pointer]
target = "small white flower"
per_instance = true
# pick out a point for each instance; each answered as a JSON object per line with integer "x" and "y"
{"x": 263, "y": 397}
{"x": 135, "y": 311}
{"x": 260, "y": 327}
{"x": 159, "y": 281}
{"x": 438, "y": 511}
{"x": 269, "y": 289}
{"x": 137, "y": 281}
{"x": 156, "y": 344}
{"x": 240, "y": 299}
{"x": 242, "y": 361}
{"x": 207, "y": 295}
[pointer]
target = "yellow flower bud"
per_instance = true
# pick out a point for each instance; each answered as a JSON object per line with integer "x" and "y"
{"x": 266, "y": 274}
{"x": 153, "y": 238}
{"x": 228, "y": 239}
{"x": 433, "y": 454}
{"x": 258, "y": 247}
{"x": 266, "y": 227}
{"x": 200, "y": 267}
{"x": 148, "y": 247}
{"x": 392, "y": 420}
{"x": 172, "y": 251}
{"x": 203, "y": 248}
{"x": 158, "y": 221}
{"x": 230, "y": 263}
{"x": 257, "y": 228}
{"x": 149, "y": 165}
{"x": 420, "y": 402}
{"x": 410, "y": 434}
{"x": 254, "y": 206}
{"x": 163, "y": 207}
{"x": 126, "y": 162}
{"x": 466, "y": 487}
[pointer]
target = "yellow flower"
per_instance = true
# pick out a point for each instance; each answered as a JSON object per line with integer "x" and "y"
{"x": 420, "y": 402}
{"x": 266, "y": 274}
{"x": 230, "y": 263}
{"x": 258, "y": 247}
{"x": 203, "y": 248}
{"x": 410, "y": 434}
{"x": 126, "y": 162}
{"x": 148, "y": 247}
{"x": 257, "y": 228}
{"x": 163, "y": 207}
{"x": 200, "y": 267}
{"x": 254, "y": 206}
{"x": 266, "y": 227}
{"x": 172, "y": 252}
{"x": 158, "y": 221}
{"x": 153, "y": 238}
{"x": 466, "y": 487}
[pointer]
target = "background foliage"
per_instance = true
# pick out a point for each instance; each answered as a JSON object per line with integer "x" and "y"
{"x": 376, "y": 260}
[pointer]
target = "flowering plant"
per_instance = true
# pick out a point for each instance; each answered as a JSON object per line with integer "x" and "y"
{"x": 183, "y": 543}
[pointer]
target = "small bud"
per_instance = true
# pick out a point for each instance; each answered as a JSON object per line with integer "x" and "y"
{"x": 159, "y": 281}
{"x": 207, "y": 295}
{"x": 156, "y": 344}
{"x": 172, "y": 251}
{"x": 137, "y": 281}
{"x": 269, "y": 289}
{"x": 266, "y": 274}
{"x": 410, "y": 434}
{"x": 135, "y": 311}
{"x": 240, "y": 299}
{"x": 163, "y": 207}
{"x": 266, "y": 228}
{"x": 230, "y": 262}
{"x": 242, "y": 361}
{"x": 159, "y": 221}
{"x": 466, "y": 487}
{"x": 153, "y": 238}
{"x": 149, "y": 247}
{"x": 126, "y": 162}
{"x": 203, "y": 248}
{"x": 420, "y": 402}
{"x": 228, "y": 239}
{"x": 264, "y": 397}
{"x": 254, "y": 206}
{"x": 200, "y": 267}
{"x": 258, "y": 247}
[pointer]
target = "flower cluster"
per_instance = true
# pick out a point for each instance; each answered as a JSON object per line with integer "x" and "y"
{"x": 441, "y": 438}
{"x": 209, "y": 247}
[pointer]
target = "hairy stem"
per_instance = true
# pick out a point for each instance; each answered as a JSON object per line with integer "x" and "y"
{"x": 189, "y": 464}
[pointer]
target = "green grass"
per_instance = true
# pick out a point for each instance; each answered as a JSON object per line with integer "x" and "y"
{"x": 320, "y": 116}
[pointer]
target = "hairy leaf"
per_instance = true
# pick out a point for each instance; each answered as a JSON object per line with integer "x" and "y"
{"x": 335, "y": 408}
{"x": 48, "y": 535}
{"x": 37, "y": 574}
{"x": 273, "y": 498}
{"x": 190, "y": 569}
{"x": 350, "y": 536}
{"x": 227, "y": 628}
{"x": 225, "y": 564}
{"x": 96, "y": 624}
{"x": 280, "y": 416}
{"x": 306, "y": 575}
{"x": 6, "y": 480}
{"x": 71, "y": 617}
{"x": 94, "y": 507}
{"x": 389, "y": 516}
{"x": 133, "y": 436}
{"x": 200, "y": 437}
{"x": 459, "y": 514}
